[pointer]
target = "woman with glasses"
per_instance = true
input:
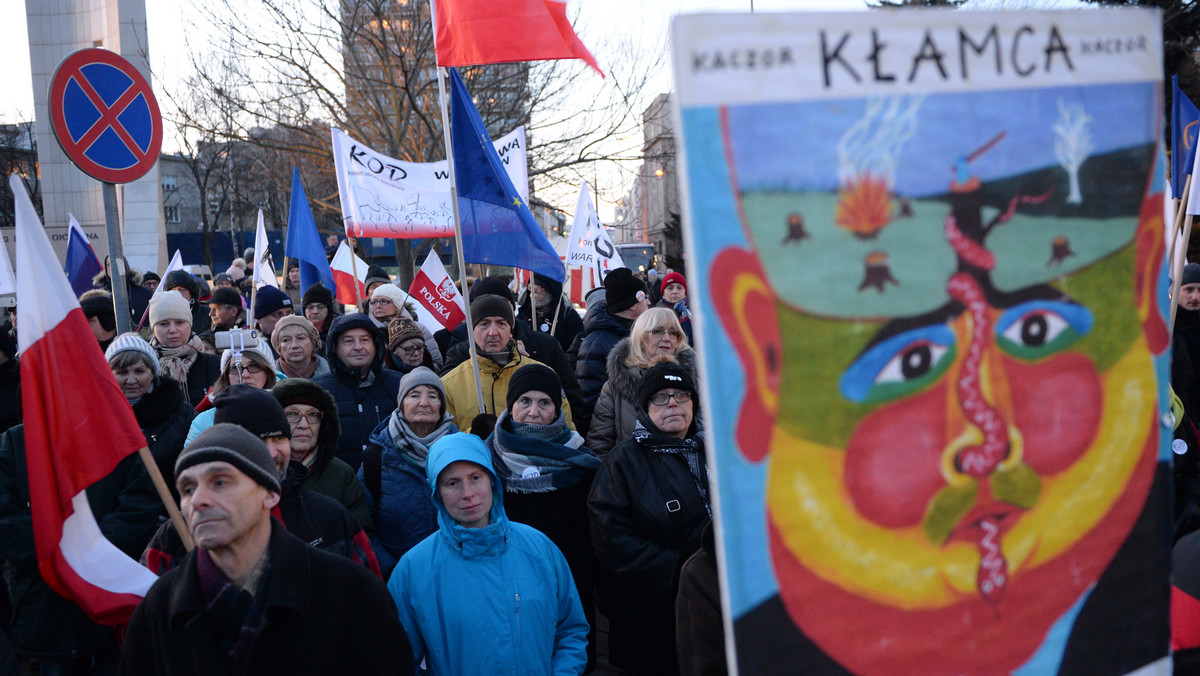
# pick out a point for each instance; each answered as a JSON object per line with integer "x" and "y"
{"x": 312, "y": 414}
{"x": 393, "y": 467}
{"x": 256, "y": 369}
{"x": 388, "y": 302}
{"x": 647, "y": 509}
{"x": 406, "y": 347}
{"x": 655, "y": 335}
{"x": 297, "y": 343}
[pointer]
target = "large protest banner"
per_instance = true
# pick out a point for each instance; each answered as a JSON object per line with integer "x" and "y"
{"x": 385, "y": 197}
{"x": 927, "y": 248}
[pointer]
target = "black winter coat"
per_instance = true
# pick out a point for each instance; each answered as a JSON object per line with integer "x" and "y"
{"x": 570, "y": 324}
{"x": 126, "y": 507}
{"x": 601, "y": 333}
{"x": 10, "y": 394}
{"x": 539, "y": 346}
{"x": 360, "y": 409}
{"x": 164, "y": 418}
{"x": 647, "y": 517}
{"x": 323, "y": 615}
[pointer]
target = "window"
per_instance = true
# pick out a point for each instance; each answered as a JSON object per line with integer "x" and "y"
{"x": 169, "y": 183}
{"x": 171, "y": 214}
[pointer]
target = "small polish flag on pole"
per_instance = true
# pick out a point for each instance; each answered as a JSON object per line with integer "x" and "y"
{"x": 69, "y": 446}
{"x": 343, "y": 275}
{"x": 438, "y": 301}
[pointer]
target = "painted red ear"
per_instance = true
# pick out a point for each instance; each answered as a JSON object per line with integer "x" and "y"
{"x": 1151, "y": 256}
{"x": 746, "y": 307}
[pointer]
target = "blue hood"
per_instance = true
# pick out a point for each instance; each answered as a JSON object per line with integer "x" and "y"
{"x": 470, "y": 542}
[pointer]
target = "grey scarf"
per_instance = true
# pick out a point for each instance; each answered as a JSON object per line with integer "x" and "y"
{"x": 414, "y": 449}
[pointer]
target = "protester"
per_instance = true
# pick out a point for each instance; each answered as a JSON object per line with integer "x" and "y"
{"x": 604, "y": 325}
{"x": 388, "y": 302}
{"x": 47, "y": 626}
{"x": 1185, "y": 382}
{"x": 150, "y": 280}
{"x": 270, "y": 305}
{"x": 393, "y": 467}
{"x": 97, "y": 306}
{"x": 137, "y": 295}
{"x": 654, "y": 286}
{"x": 319, "y": 309}
{"x": 313, "y": 417}
{"x": 291, "y": 282}
{"x": 225, "y": 310}
{"x": 162, "y": 412}
{"x": 187, "y": 286}
{"x": 499, "y": 359}
{"x": 179, "y": 350}
{"x": 546, "y": 472}
{"x": 297, "y": 342}
{"x": 375, "y": 276}
{"x": 252, "y": 598}
{"x": 656, "y": 333}
{"x": 255, "y": 370}
{"x": 10, "y": 383}
{"x": 223, "y": 280}
{"x": 674, "y": 296}
{"x": 485, "y": 595}
{"x": 554, "y": 313}
{"x": 365, "y": 392}
{"x": 319, "y": 520}
{"x": 648, "y": 506}
{"x": 538, "y": 346}
{"x": 406, "y": 347}
{"x": 699, "y": 627}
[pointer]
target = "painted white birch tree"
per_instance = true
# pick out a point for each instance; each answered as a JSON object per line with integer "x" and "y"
{"x": 1073, "y": 144}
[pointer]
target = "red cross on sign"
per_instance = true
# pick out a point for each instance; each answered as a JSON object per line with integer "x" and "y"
{"x": 105, "y": 116}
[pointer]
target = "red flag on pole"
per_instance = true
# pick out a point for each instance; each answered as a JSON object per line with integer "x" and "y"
{"x": 78, "y": 427}
{"x": 474, "y": 32}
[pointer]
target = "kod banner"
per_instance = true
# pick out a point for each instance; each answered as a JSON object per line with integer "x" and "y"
{"x": 385, "y": 197}
{"x": 936, "y": 362}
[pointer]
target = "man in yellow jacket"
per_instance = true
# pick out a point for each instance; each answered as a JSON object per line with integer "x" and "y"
{"x": 499, "y": 358}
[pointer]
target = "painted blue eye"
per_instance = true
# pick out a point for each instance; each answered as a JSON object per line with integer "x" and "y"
{"x": 1039, "y": 328}
{"x": 899, "y": 366}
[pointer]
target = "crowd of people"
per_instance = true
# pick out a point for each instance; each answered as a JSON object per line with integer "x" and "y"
{"x": 358, "y": 504}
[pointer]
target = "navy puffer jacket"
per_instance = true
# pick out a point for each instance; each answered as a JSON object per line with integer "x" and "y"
{"x": 601, "y": 333}
{"x": 360, "y": 409}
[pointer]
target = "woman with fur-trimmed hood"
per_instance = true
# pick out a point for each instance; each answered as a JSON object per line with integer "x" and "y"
{"x": 312, "y": 414}
{"x": 655, "y": 336}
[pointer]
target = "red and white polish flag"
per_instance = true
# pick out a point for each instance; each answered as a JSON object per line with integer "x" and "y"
{"x": 438, "y": 301}
{"x": 78, "y": 427}
{"x": 344, "y": 277}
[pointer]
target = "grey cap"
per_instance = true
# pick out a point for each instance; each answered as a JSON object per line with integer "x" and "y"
{"x": 225, "y": 442}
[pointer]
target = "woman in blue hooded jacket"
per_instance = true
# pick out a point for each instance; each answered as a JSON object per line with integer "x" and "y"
{"x": 484, "y": 595}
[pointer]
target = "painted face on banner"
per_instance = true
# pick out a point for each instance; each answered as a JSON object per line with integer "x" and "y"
{"x": 951, "y": 371}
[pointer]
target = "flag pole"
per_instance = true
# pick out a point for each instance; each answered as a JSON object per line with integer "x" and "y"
{"x": 1180, "y": 209}
{"x": 458, "y": 244}
{"x": 352, "y": 242}
{"x": 1177, "y": 275}
{"x": 164, "y": 494}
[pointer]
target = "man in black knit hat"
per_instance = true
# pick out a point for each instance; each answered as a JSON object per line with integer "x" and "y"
{"x": 553, "y": 312}
{"x": 252, "y": 597}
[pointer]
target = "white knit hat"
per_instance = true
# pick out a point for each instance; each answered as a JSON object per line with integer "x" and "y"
{"x": 132, "y": 342}
{"x": 228, "y": 354}
{"x": 170, "y": 305}
{"x": 391, "y": 292}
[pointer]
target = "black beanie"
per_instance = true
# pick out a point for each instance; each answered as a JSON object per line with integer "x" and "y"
{"x": 489, "y": 305}
{"x": 100, "y": 307}
{"x": 225, "y": 296}
{"x": 660, "y": 377}
{"x": 256, "y": 410}
{"x": 622, "y": 290}
{"x": 552, "y": 287}
{"x": 269, "y": 300}
{"x": 177, "y": 278}
{"x": 317, "y": 293}
{"x": 234, "y": 445}
{"x": 150, "y": 277}
{"x": 376, "y": 274}
{"x": 539, "y": 377}
{"x": 1191, "y": 274}
{"x": 493, "y": 286}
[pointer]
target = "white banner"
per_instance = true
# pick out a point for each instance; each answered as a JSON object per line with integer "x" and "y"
{"x": 175, "y": 264}
{"x": 385, "y": 197}
{"x": 264, "y": 272}
{"x": 589, "y": 246}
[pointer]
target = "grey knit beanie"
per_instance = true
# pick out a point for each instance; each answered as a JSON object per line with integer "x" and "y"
{"x": 420, "y": 376}
{"x": 224, "y": 442}
{"x": 131, "y": 342}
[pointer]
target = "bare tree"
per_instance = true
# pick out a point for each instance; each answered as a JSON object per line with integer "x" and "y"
{"x": 18, "y": 155}
{"x": 367, "y": 67}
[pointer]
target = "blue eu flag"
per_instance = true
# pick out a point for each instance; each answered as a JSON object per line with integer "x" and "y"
{"x": 304, "y": 242}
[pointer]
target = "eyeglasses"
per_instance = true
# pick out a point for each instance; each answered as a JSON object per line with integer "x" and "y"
{"x": 416, "y": 349}
{"x": 251, "y": 368}
{"x": 382, "y": 301}
{"x": 313, "y": 417}
{"x": 657, "y": 333}
{"x": 662, "y": 398}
